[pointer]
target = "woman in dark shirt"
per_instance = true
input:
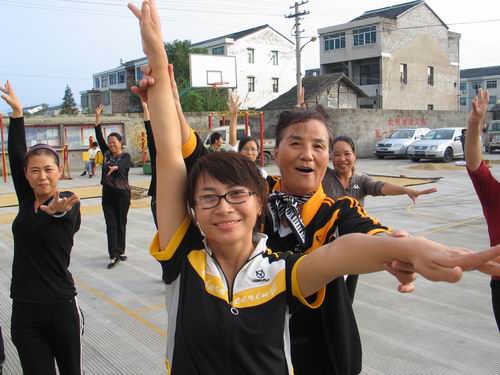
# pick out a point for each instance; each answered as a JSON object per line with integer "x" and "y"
{"x": 46, "y": 322}
{"x": 115, "y": 190}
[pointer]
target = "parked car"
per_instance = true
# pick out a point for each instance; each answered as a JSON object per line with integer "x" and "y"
{"x": 268, "y": 145}
{"x": 397, "y": 143}
{"x": 443, "y": 143}
{"x": 492, "y": 137}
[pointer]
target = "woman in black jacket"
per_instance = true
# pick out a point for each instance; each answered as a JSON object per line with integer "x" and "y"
{"x": 115, "y": 190}
{"x": 46, "y": 322}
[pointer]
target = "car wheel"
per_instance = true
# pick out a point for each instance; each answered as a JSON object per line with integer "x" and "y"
{"x": 380, "y": 156}
{"x": 415, "y": 159}
{"x": 267, "y": 158}
{"x": 448, "y": 155}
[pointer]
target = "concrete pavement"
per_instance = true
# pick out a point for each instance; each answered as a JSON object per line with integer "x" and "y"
{"x": 439, "y": 329}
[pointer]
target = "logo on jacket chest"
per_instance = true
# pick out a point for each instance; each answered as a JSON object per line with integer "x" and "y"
{"x": 261, "y": 277}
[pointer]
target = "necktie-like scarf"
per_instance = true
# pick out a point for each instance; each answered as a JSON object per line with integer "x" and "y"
{"x": 283, "y": 205}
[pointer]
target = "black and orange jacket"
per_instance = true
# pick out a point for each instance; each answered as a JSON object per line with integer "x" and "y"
{"x": 333, "y": 324}
{"x": 217, "y": 328}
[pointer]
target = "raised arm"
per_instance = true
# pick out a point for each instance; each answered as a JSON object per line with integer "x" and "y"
{"x": 17, "y": 141}
{"x": 413, "y": 194}
{"x": 475, "y": 123}
{"x": 171, "y": 170}
{"x": 234, "y": 106}
{"x": 359, "y": 253}
{"x": 98, "y": 129}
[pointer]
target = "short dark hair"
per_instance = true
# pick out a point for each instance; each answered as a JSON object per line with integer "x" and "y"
{"x": 288, "y": 118}
{"x": 245, "y": 140}
{"x": 228, "y": 168}
{"x": 214, "y": 137}
{"x": 346, "y": 139}
{"x": 116, "y": 135}
{"x": 41, "y": 149}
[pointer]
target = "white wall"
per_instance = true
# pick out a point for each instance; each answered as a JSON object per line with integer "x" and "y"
{"x": 263, "y": 42}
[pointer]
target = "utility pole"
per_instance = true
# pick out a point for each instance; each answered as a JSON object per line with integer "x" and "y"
{"x": 298, "y": 31}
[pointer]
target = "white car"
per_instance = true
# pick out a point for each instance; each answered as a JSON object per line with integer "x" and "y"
{"x": 397, "y": 143}
{"x": 443, "y": 144}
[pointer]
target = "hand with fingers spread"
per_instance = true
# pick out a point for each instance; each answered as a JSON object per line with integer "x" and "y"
{"x": 98, "y": 114}
{"x": 477, "y": 114}
{"x": 60, "y": 205}
{"x": 234, "y": 103}
{"x": 10, "y": 97}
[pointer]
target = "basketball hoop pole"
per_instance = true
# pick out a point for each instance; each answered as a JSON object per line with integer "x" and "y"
{"x": 246, "y": 123}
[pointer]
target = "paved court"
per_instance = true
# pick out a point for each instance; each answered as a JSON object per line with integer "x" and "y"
{"x": 439, "y": 329}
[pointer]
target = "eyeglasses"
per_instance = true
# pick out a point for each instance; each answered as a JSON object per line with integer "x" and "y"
{"x": 250, "y": 149}
{"x": 233, "y": 197}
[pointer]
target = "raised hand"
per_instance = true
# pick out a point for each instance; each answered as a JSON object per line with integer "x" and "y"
{"x": 150, "y": 25}
{"x": 233, "y": 103}
{"x": 98, "y": 114}
{"x": 60, "y": 205}
{"x": 479, "y": 108}
{"x": 11, "y": 99}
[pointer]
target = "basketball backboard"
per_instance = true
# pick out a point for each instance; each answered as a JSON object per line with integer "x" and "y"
{"x": 212, "y": 71}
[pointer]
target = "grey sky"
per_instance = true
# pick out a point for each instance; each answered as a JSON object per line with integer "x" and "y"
{"x": 48, "y": 44}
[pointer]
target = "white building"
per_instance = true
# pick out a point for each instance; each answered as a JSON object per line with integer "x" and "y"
{"x": 264, "y": 62}
{"x": 471, "y": 80}
{"x": 403, "y": 56}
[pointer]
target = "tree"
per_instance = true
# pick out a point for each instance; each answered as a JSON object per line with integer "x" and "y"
{"x": 68, "y": 106}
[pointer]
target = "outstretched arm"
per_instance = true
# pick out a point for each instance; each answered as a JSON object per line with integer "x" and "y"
{"x": 391, "y": 189}
{"x": 98, "y": 129}
{"x": 475, "y": 123}
{"x": 234, "y": 106}
{"x": 359, "y": 253}
{"x": 171, "y": 170}
{"x": 16, "y": 142}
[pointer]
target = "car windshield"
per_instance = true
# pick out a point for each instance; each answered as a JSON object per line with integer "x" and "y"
{"x": 495, "y": 127}
{"x": 403, "y": 134}
{"x": 440, "y": 134}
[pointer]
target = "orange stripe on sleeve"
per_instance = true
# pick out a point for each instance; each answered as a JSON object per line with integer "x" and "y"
{"x": 320, "y": 294}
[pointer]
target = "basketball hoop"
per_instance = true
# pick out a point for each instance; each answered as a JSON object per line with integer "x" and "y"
{"x": 216, "y": 85}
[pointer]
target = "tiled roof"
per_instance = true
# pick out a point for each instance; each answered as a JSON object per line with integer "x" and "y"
{"x": 393, "y": 11}
{"x": 480, "y": 72}
{"x": 313, "y": 87}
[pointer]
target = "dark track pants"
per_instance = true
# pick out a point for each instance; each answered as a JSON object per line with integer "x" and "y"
{"x": 115, "y": 205}
{"x": 495, "y": 297}
{"x": 43, "y": 332}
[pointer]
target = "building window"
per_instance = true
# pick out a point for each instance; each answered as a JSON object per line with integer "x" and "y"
{"x": 463, "y": 101}
{"x": 112, "y": 79}
{"x": 369, "y": 74}
{"x": 403, "y": 73}
{"x": 334, "y": 41}
{"x": 476, "y": 86}
{"x": 463, "y": 86}
{"x": 251, "y": 55}
{"x": 491, "y": 84}
{"x": 218, "y": 50}
{"x": 104, "y": 81}
{"x": 430, "y": 107}
{"x": 251, "y": 84}
{"x": 47, "y": 135}
{"x": 121, "y": 77}
{"x": 276, "y": 87}
{"x": 430, "y": 75}
{"x": 493, "y": 100}
{"x": 366, "y": 35}
{"x": 274, "y": 57}
{"x": 138, "y": 73}
{"x": 97, "y": 82}
{"x": 85, "y": 101}
{"x": 106, "y": 98}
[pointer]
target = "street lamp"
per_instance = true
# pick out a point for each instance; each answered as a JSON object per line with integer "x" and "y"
{"x": 299, "y": 76}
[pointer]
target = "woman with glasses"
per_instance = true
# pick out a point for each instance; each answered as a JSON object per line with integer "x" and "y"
{"x": 248, "y": 145}
{"x": 229, "y": 296}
